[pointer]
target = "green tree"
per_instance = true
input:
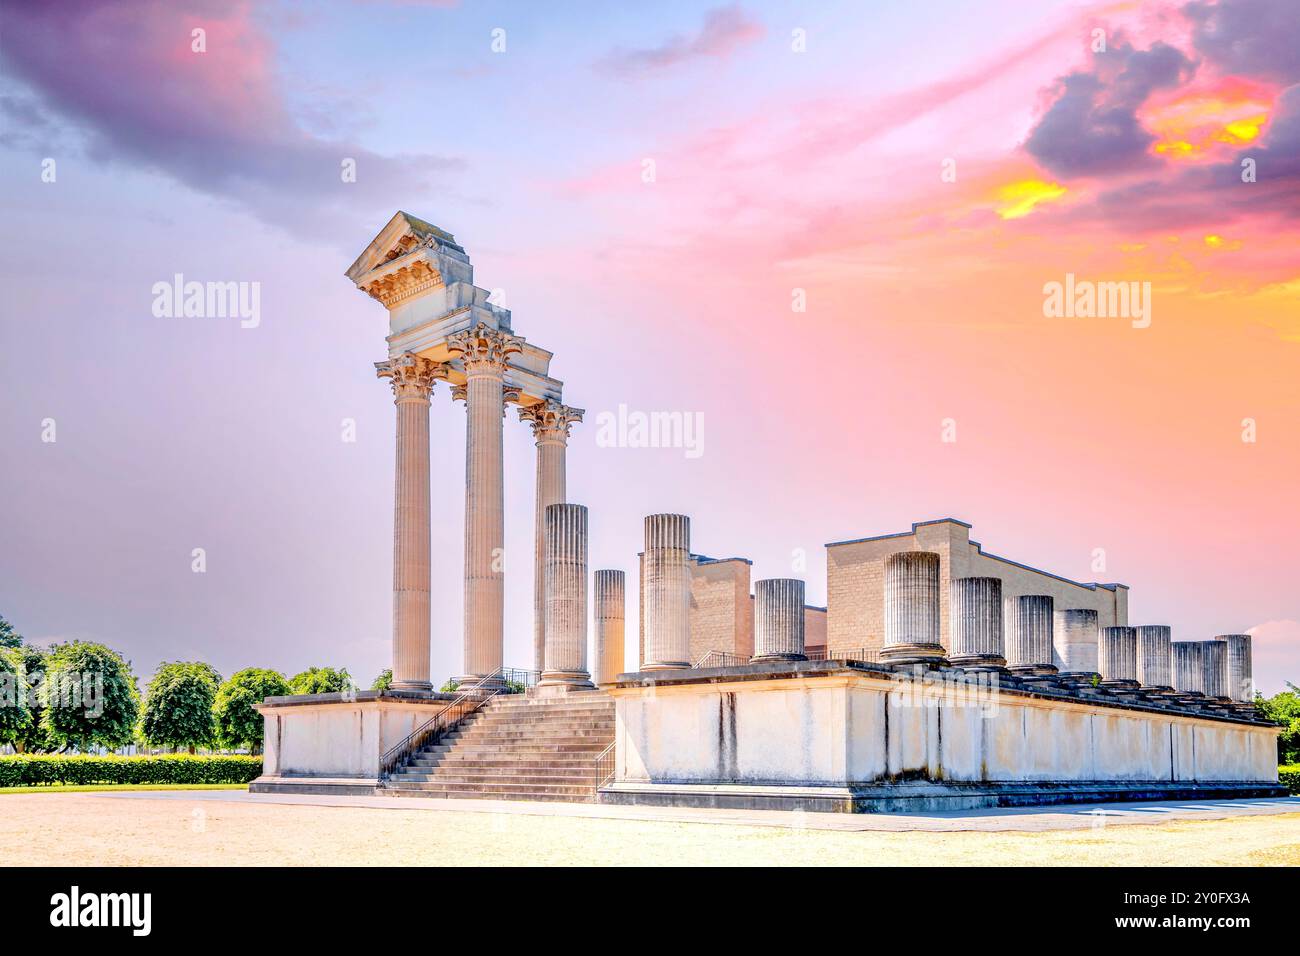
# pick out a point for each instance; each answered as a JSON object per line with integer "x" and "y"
{"x": 384, "y": 680}
{"x": 1284, "y": 708}
{"x": 321, "y": 680}
{"x": 15, "y": 716}
{"x": 8, "y": 636}
{"x": 238, "y": 722}
{"x": 89, "y": 696}
{"x": 178, "y": 705}
{"x": 35, "y": 738}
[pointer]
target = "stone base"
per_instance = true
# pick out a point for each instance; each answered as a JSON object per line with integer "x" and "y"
{"x": 929, "y": 654}
{"x": 777, "y": 658}
{"x": 332, "y": 743}
{"x": 920, "y": 797}
{"x": 556, "y": 683}
{"x": 980, "y": 662}
{"x": 1121, "y": 685}
{"x": 667, "y": 666}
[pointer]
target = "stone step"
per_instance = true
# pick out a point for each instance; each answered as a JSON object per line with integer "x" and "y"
{"x": 522, "y": 761}
{"x": 526, "y": 719}
{"x": 504, "y": 738}
{"x": 416, "y": 793}
{"x": 592, "y": 745}
{"x": 492, "y": 790}
{"x": 568, "y": 780}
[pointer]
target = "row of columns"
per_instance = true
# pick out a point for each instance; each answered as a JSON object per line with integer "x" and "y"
{"x": 1028, "y": 636}
{"x": 484, "y": 353}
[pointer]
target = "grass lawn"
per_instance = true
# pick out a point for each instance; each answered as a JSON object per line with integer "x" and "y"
{"x": 90, "y": 788}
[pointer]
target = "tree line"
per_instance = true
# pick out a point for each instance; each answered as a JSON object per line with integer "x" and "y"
{"x": 82, "y": 695}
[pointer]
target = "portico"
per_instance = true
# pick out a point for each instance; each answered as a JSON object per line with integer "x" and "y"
{"x": 442, "y": 327}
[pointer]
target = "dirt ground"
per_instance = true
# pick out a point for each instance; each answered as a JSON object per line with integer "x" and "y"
{"x": 91, "y": 829}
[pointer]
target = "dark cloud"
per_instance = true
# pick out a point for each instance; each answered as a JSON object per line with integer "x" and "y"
{"x": 1092, "y": 126}
{"x": 725, "y": 29}
{"x": 125, "y": 77}
{"x": 1259, "y": 38}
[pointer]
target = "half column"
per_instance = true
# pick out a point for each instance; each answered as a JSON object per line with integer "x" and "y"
{"x": 667, "y": 612}
{"x": 778, "y": 620}
{"x": 976, "y": 616}
{"x": 609, "y": 612}
{"x": 566, "y": 597}
{"x": 912, "y": 609}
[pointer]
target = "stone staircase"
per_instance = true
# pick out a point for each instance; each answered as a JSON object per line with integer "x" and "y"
{"x": 517, "y": 747}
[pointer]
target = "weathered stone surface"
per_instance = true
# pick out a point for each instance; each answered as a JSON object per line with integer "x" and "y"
{"x": 609, "y": 613}
{"x": 1074, "y": 643}
{"x": 1189, "y": 671}
{"x": 912, "y": 608}
{"x": 1029, "y": 633}
{"x": 977, "y": 637}
{"x": 566, "y": 597}
{"x": 667, "y": 583}
{"x": 1155, "y": 657}
{"x": 778, "y": 619}
{"x": 1118, "y": 656}
{"x": 1240, "y": 672}
{"x": 1214, "y": 662}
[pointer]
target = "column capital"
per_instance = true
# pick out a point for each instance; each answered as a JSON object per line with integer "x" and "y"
{"x": 551, "y": 420}
{"x": 484, "y": 349}
{"x": 411, "y": 376}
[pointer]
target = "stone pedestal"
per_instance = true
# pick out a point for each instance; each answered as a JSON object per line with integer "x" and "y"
{"x": 609, "y": 612}
{"x": 975, "y": 613}
{"x": 778, "y": 620}
{"x": 1028, "y": 627}
{"x": 566, "y": 598}
{"x": 412, "y": 380}
{"x": 551, "y": 422}
{"x": 483, "y": 351}
{"x": 1118, "y": 658}
{"x": 1240, "y": 675}
{"x": 667, "y": 613}
{"x": 912, "y": 609}
{"x": 1074, "y": 644}
{"x": 1189, "y": 671}
{"x": 1155, "y": 658}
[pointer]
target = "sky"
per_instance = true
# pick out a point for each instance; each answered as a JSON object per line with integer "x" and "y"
{"x": 825, "y": 231}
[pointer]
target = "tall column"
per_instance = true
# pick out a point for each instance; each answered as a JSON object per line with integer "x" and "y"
{"x": 1189, "y": 672}
{"x": 1214, "y": 669}
{"x": 1155, "y": 658}
{"x": 1029, "y": 634}
{"x": 1118, "y": 657}
{"x": 608, "y": 611}
{"x": 551, "y": 422}
{"x": 412, "y": 380}
{"x": 667, "y": 592}
{"x": 912, "y": 609}
{"x": 975, "y": 613}
{"x": 483, "y": 350}
{"x": 566, "y": 597}
{"x": 1074, "y": 643}
{"x": 778, "y": 620}
{"x": 1241, "y": 682}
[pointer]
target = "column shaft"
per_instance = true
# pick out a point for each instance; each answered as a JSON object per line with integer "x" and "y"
{"x": 1214, "y": 662}
{"x": 912, "y": 608}
{"x": 1155, "y": 657}
{"x": 1029, "y": 634}
{"x": 667, "y": 593}
{"x": 1117, "y": 656}
{"x": 1241, "y": 683}
{"x": 609, "y": 612}
{"x": 566, "y": 597}
{"x": 778, "y": 620}
{"x": 1189, "y": 671}
{"x": 1074, "y": 643}
{"x": 975, "y": 615}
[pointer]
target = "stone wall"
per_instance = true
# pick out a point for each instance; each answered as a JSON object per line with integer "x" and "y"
{"x": 722, "y": 613}
{"x": 855, "y": 582}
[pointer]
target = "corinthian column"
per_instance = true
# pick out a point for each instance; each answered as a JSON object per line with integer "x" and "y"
{"x": 551, "y": 421}
{"x": 412, "y": 379}
{"x": 483, "y": 350}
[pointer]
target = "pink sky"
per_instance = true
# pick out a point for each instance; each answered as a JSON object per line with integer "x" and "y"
{"x": 774, "y": 171}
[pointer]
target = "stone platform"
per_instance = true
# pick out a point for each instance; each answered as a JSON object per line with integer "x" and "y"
{"x": 849, "y": 737}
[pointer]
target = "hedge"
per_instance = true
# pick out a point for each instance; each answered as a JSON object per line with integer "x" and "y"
{"x": 30, "y": 770}
{"x": 1289, "y": 776}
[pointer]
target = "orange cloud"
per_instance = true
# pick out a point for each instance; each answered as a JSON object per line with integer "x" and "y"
{"x": 1018, "y": 199}
{"x": 1194, "y": 122}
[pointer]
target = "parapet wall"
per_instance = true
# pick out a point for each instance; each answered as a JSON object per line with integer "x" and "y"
{"x": 833, "y": 736}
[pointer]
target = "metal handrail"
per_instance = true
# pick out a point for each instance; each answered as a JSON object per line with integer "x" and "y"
{"x": 861, "y": 655}
{"x": 503, "y": 680}
{"x": 605, "y": 767}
